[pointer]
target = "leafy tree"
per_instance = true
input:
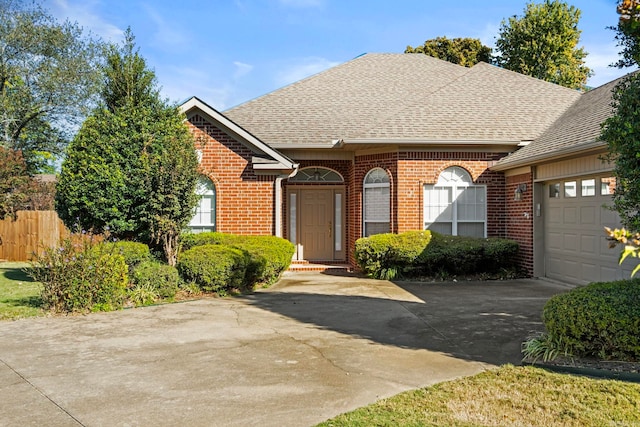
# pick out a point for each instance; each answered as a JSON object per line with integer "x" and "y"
{"x": 19, "y": 190}
{"x": 49, "y": 77}
{"x": 628, "y": 33}
{"x": 132, "y": 167}
{"x": 544, "y": 44}
{"x": 462, "y": 51}
{"x": 621, "y": 132}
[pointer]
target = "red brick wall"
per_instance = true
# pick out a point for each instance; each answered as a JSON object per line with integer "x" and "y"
{"x": 418, "y": 168}
{"x": 520, "y": 218}
{"x": 244, "y": 199}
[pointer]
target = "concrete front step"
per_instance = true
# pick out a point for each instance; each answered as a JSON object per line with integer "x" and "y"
{"x": 318, "y": 266}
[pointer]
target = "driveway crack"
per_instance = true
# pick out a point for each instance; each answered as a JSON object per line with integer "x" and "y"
{"x": 42, "y": 393}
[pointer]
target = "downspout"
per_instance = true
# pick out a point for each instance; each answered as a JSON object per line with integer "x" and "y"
{"x": 278, "y": 200}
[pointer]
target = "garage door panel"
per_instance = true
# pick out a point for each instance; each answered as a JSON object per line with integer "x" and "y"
{"x": 569, "y": 215}
{"x": 575, "y": 245}
{"x": 554, "y": 240}
{"x": 570, "y": 242}
{"x": 589, "y": 244}
{"x": 588, "y": 215}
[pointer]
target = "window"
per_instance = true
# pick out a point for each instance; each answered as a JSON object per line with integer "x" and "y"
{"x": 570, "y": 189}
{"x": 376, "y": 203}
{"x": 314, "y": 174}
{"x": 607, "y": 186}
{"x": 588, "y": 187}
{"x": 204, "y": 218}
{"x": 454, "y": 205}
{"x": 554, "y": 191}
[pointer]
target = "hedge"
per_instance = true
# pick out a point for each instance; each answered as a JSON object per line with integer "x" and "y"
{"x": 388, "y": 255}
{"x": 459, "y": 255}
{"x": 163, "y": 279}
{"x": 267, "y": 256}
{"x": 417, "y": 253}
{"x": 214, "y": 268}
{"x": 600, "y": 320}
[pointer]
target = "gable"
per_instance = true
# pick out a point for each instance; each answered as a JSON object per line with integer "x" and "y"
{"x": 265, "y": 159}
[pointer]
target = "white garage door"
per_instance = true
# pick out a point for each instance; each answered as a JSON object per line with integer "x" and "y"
{"x": 575, "y": 214}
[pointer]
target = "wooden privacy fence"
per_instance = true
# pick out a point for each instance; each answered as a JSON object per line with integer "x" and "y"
{"x": 30, "y": 232}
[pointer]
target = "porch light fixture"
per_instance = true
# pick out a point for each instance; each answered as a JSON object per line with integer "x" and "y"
{"x": 521, "y": 188}
{"x": 316, "y": 175}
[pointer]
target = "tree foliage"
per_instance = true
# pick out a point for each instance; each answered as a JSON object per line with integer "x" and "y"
{"x": 48, "y": 79}
{"x": 544, "y": 44}
{"x": 628, "y": 33}
{"x": 19, "y": 190}
{"x": 621, "y": 131}
{"x": 132, "y": 168}
{"x": 462, "y": 51}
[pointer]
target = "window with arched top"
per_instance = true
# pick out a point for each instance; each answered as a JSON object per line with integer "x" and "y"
{"x": 317, "y": 174}
{"x": 376, "y": 203}
{"x": 455, "y": 205}
{"x": 204, "y": 217}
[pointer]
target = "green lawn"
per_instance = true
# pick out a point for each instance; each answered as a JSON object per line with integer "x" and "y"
{"x": 19, "y": 294}
{"x": 508, "y": 396}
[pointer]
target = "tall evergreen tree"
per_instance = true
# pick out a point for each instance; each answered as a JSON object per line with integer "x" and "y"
{"x": 544, "y": 44}
{"x": 132, "y": 168}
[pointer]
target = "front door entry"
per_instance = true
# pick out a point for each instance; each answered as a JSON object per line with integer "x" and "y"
{"x": 317, "y": 228}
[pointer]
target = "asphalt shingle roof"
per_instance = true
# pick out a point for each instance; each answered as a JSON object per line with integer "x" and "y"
{"x": 405, "y": 96}
{"x": 580, "y": 124}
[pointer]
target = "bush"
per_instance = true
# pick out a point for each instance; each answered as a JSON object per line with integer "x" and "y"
{"x": 190, "y": 240}
{"x": 134, "y": 253}
{"x": 163, "y": 279}
{"x": 386, "y": 256}
{"x": 268, "y": 256}
{"x": 81, "y": 277}
{"x": 215, "y": 268}
{"x": 599, "y": 320}
{"x": 459, "y": 255}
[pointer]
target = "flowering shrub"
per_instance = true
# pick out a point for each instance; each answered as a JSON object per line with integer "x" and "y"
{"x": 81, "y": 275}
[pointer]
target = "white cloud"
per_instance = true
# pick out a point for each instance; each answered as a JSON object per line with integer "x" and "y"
{"x": 166, "y": 34}
{"x": 302, "y": 3}
{"x": 300, "y": 68}
{"x": 242, "y": 69}
{"x": 599, "y": 59}
{"x": 84, "y": 14}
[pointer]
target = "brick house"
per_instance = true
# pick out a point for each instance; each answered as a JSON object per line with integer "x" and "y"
{"x": 397, "y": 142}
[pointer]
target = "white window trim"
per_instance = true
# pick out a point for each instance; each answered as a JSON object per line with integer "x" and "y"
{"x": 454, "y": 186}
{"x": 366, "y": 186}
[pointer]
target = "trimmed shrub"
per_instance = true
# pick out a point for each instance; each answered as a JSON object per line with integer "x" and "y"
{"x": 388, "y": 255}
{"x": 215, "y": 268}
{"x": 81, "y": 277}
{"x": 459, "y": 255}
{"x": 163, "y": 279}
{"x": 134, "y": 253}
{"x": 191, "y": 240}
{"x": 600, "y": 320}
{"x": 268, "y": 256}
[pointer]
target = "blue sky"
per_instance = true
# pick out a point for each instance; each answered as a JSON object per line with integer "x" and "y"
{"x": 230, "y": 51}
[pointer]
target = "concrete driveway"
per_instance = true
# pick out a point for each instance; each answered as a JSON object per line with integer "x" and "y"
{"x": 311, "y": 347}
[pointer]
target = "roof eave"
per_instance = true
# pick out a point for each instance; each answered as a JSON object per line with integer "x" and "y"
{"x": 572, "y": 151}
{"x": 283, "y": 162}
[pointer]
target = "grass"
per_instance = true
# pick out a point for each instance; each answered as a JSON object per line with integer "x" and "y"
{"x": 508, "y": 396}
{"x": 19, "y": 294}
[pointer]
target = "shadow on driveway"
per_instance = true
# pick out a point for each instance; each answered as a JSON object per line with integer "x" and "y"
{"x": 478, "y": 321}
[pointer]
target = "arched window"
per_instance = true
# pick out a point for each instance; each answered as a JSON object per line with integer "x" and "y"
{"x": 314, "y": 174}
{"x": 376, "y": 203}
{"x": 204, "y": 218}
{"x": 455, "y": 205}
